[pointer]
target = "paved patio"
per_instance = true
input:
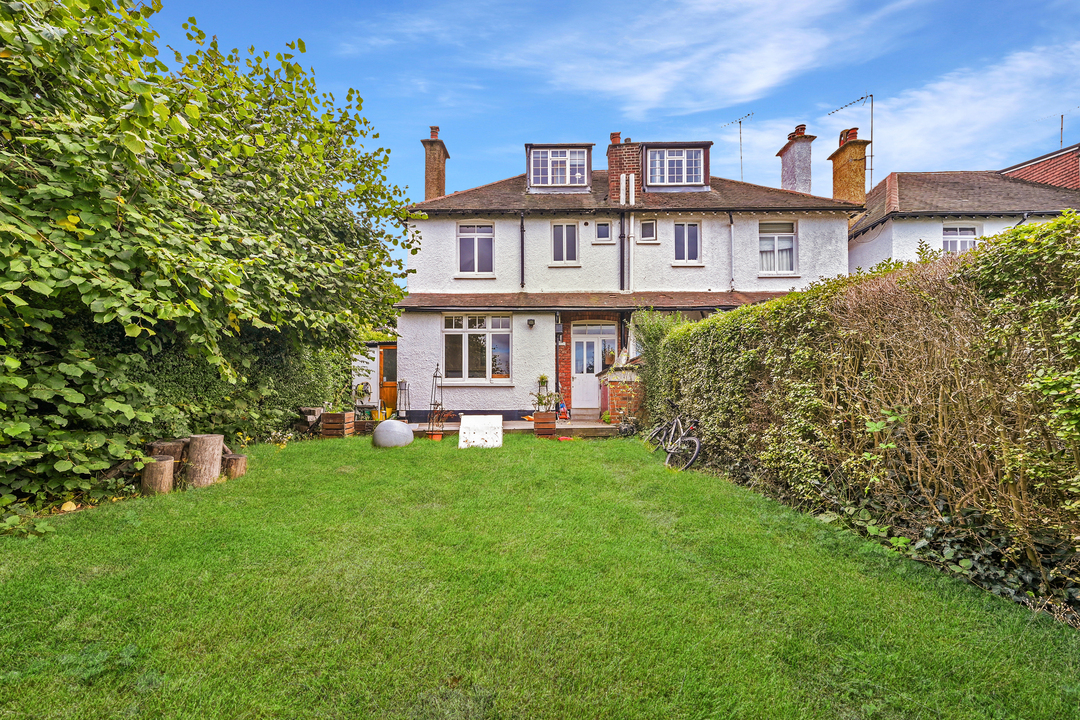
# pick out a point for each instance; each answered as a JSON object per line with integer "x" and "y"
{"x": 564, "y": 428}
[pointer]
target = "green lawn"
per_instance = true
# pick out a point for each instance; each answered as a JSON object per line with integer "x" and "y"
{"x": 542, "y": 580}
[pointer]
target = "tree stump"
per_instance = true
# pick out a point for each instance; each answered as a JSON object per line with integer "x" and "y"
{"x": 203, "y": 459}
{"x": 172, "y": 448}
{"x": 234, "y": 466}
{"x": 157, "y": 477}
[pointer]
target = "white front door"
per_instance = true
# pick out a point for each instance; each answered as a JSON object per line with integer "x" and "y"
{"x": 584, "y": 387}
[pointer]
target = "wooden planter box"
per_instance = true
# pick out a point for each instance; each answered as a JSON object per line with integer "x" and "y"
{"x": 338, "y": 424}
{"x": 544, "y": 424}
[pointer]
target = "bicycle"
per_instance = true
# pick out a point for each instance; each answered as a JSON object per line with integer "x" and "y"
{"x": 682, "y": 448}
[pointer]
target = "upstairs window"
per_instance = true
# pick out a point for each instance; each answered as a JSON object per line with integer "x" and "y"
{"x": 603, "y": 233}
{"x": 958, "y": 239}
{"x": 648, "y": 231}
{"x": 776, "y": 241}
{"x": 564, "y": 244}
{"x": 675, "y": 167}
{"x": 476, "y": 249}
{"x": 687, "y": 243}
{"x": 558, "y": 167}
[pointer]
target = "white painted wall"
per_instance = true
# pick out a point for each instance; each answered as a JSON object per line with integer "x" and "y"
{"x": 899, "y": 238}
{"x": 532, "y": 352}
{"x": 822, "y": 252}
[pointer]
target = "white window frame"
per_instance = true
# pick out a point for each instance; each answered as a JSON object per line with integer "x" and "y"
{"x": 672, "y": 166}
{"x": 959, "y": 239}
{"x": 775, "y": 236}
{"x": 654, "y": 239}
{"x": 561, "y": 245}
{"x": 475, "y": 236}
{"x": 466, "y": 324}
{"x": 686, "y": 261}
{"x": 554, "y": 167}
{"x": 610, "y": 239}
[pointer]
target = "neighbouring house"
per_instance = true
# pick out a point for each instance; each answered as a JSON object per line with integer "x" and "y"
{"x": 1061, "y": 168}
{"x": 947, "y": 211}
{"x": 951, "y": 210}
{"x": 538, "y": 274}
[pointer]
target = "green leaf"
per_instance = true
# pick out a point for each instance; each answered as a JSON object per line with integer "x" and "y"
{"x": 132, "y": 330}
{"x": 63, "y": 465}
{"x": 39, "y": 287}
{"x": 134, "y": 144}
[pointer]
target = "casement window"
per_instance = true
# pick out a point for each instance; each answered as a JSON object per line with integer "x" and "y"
{"x": 476, "y": 347}
{"x": 476, "y": 247}
{"x": 648, "y": 231}
{"x": 564, "y": 244}
{"x": 603, "y": 233}
{"x": 687, "y": 243}
{"x": 675, "y": 167}
{"x": 558, "y": 167}
{"x": 958, "y": 239}
{"x": 778, "y": 248}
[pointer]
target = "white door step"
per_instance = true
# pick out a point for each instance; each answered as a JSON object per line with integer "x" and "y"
{"x": 585, "y": 413}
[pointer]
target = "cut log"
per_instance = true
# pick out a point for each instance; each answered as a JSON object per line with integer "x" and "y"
{"x": 172, "y": 448}
{"x": 233, "y": 466}
{"x": 225, "y": 450}
{"x": 203, "y": 459}
{"x": 157, "y": 476}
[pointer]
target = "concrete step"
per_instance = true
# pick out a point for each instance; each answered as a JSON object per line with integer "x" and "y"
{"x": 585, "y": 414}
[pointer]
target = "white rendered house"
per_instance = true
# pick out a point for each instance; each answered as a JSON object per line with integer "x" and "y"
{"x": 538, "y": 274}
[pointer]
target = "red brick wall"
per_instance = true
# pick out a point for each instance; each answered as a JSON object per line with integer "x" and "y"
{"x": 564, "y": 351}
{"x": 624, "y": 158}
{"x": 1063, "y": 171}
{"x": 624, "y": 399}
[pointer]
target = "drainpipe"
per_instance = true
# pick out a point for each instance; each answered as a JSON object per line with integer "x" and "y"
{"x": 731, "y": 238}
{"x": 523, "y": 249}
{"x": 622, "y": 251}
{"x": 1022, "y": 220}
{"x": 630, "y": 263}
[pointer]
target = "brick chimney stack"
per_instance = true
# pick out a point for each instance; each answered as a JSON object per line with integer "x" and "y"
{"x": 623, "y": 158}
{"x": 435, "y": 157}
{"x": 795, "y": 161}
{"x": 849, "y": 168}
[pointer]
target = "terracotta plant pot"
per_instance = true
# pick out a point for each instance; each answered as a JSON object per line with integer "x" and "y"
{"x": 435, "y": 436}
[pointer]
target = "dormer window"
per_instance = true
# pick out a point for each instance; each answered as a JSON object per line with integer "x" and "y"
{"x": 558, "y": 167}
{"x": 675, "y": 166}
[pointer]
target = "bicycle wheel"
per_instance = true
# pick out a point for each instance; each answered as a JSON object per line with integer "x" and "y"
{"x": 656, "y": 438}
{"x": 684, "y": 453}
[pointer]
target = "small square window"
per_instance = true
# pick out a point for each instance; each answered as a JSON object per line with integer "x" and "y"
{"x": 454, "y": 322}
{"x": 603, "y": 231}
{"x": 648, "y": 230}
{"x": 477, "y": 322}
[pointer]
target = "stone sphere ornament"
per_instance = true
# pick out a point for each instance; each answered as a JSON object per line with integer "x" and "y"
{"x": 392, "y": 433}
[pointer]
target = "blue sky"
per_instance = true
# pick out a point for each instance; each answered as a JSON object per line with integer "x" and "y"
{"x": 958, "y": 85}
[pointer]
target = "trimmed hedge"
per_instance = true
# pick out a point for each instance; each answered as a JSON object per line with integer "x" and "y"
{"x": 934, "y": 404}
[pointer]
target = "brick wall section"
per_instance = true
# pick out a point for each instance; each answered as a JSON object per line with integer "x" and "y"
{"x": 624, "y": 399}
{"x": 622, "y": 158}
{"x": 564, "y": 353}
{"x": 1063, "y": 171}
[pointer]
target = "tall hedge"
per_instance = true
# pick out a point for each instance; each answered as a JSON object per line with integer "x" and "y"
{"x": 935, "y": 404}
{"x": 178, "y": 213}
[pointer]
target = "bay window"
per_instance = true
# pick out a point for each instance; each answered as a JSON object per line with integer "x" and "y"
{"x": 476, "y": 347}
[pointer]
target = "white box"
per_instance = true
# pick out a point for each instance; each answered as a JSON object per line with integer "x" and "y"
{"x": 483, "y": 431}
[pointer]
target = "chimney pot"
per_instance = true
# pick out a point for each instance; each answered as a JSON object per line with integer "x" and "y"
{"x": 434, "y": 132}
{"x": 626, "y": 141}
{"x": 800, "y": 129}
{"x": 616, "y": 138}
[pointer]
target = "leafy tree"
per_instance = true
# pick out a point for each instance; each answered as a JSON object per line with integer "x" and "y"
{"x": 141, "y": 207}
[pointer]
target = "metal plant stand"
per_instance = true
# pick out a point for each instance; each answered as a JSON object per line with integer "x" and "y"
{"x": 436, "y": 410}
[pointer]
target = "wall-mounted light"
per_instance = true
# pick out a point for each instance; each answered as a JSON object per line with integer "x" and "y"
{"x": 532, "y": 322}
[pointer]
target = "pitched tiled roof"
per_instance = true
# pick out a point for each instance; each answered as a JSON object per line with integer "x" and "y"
{"x": 509, "y": 196}
{"x": 960, "y": 193}
{"x": 584, "y": 301}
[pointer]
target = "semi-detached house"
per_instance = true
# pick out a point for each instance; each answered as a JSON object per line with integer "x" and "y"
{"x": 538, "y": 274}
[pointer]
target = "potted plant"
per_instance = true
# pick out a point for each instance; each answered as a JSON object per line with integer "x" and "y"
{"x": 546, "y": 404}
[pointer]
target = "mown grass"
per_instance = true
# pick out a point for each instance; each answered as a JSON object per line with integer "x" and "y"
{"x": 542, "y": 580}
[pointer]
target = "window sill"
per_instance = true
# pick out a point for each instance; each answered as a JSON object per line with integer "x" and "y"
{"x": 687, "y": 265}
{"x": 475, "y": 276}
{"x": 648, "y": 242}
{"x": 778, "y": 275}
{"x": 478, "y": 383}
{"x": 564, "y": 265}
{"x": 603, "y": 242}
